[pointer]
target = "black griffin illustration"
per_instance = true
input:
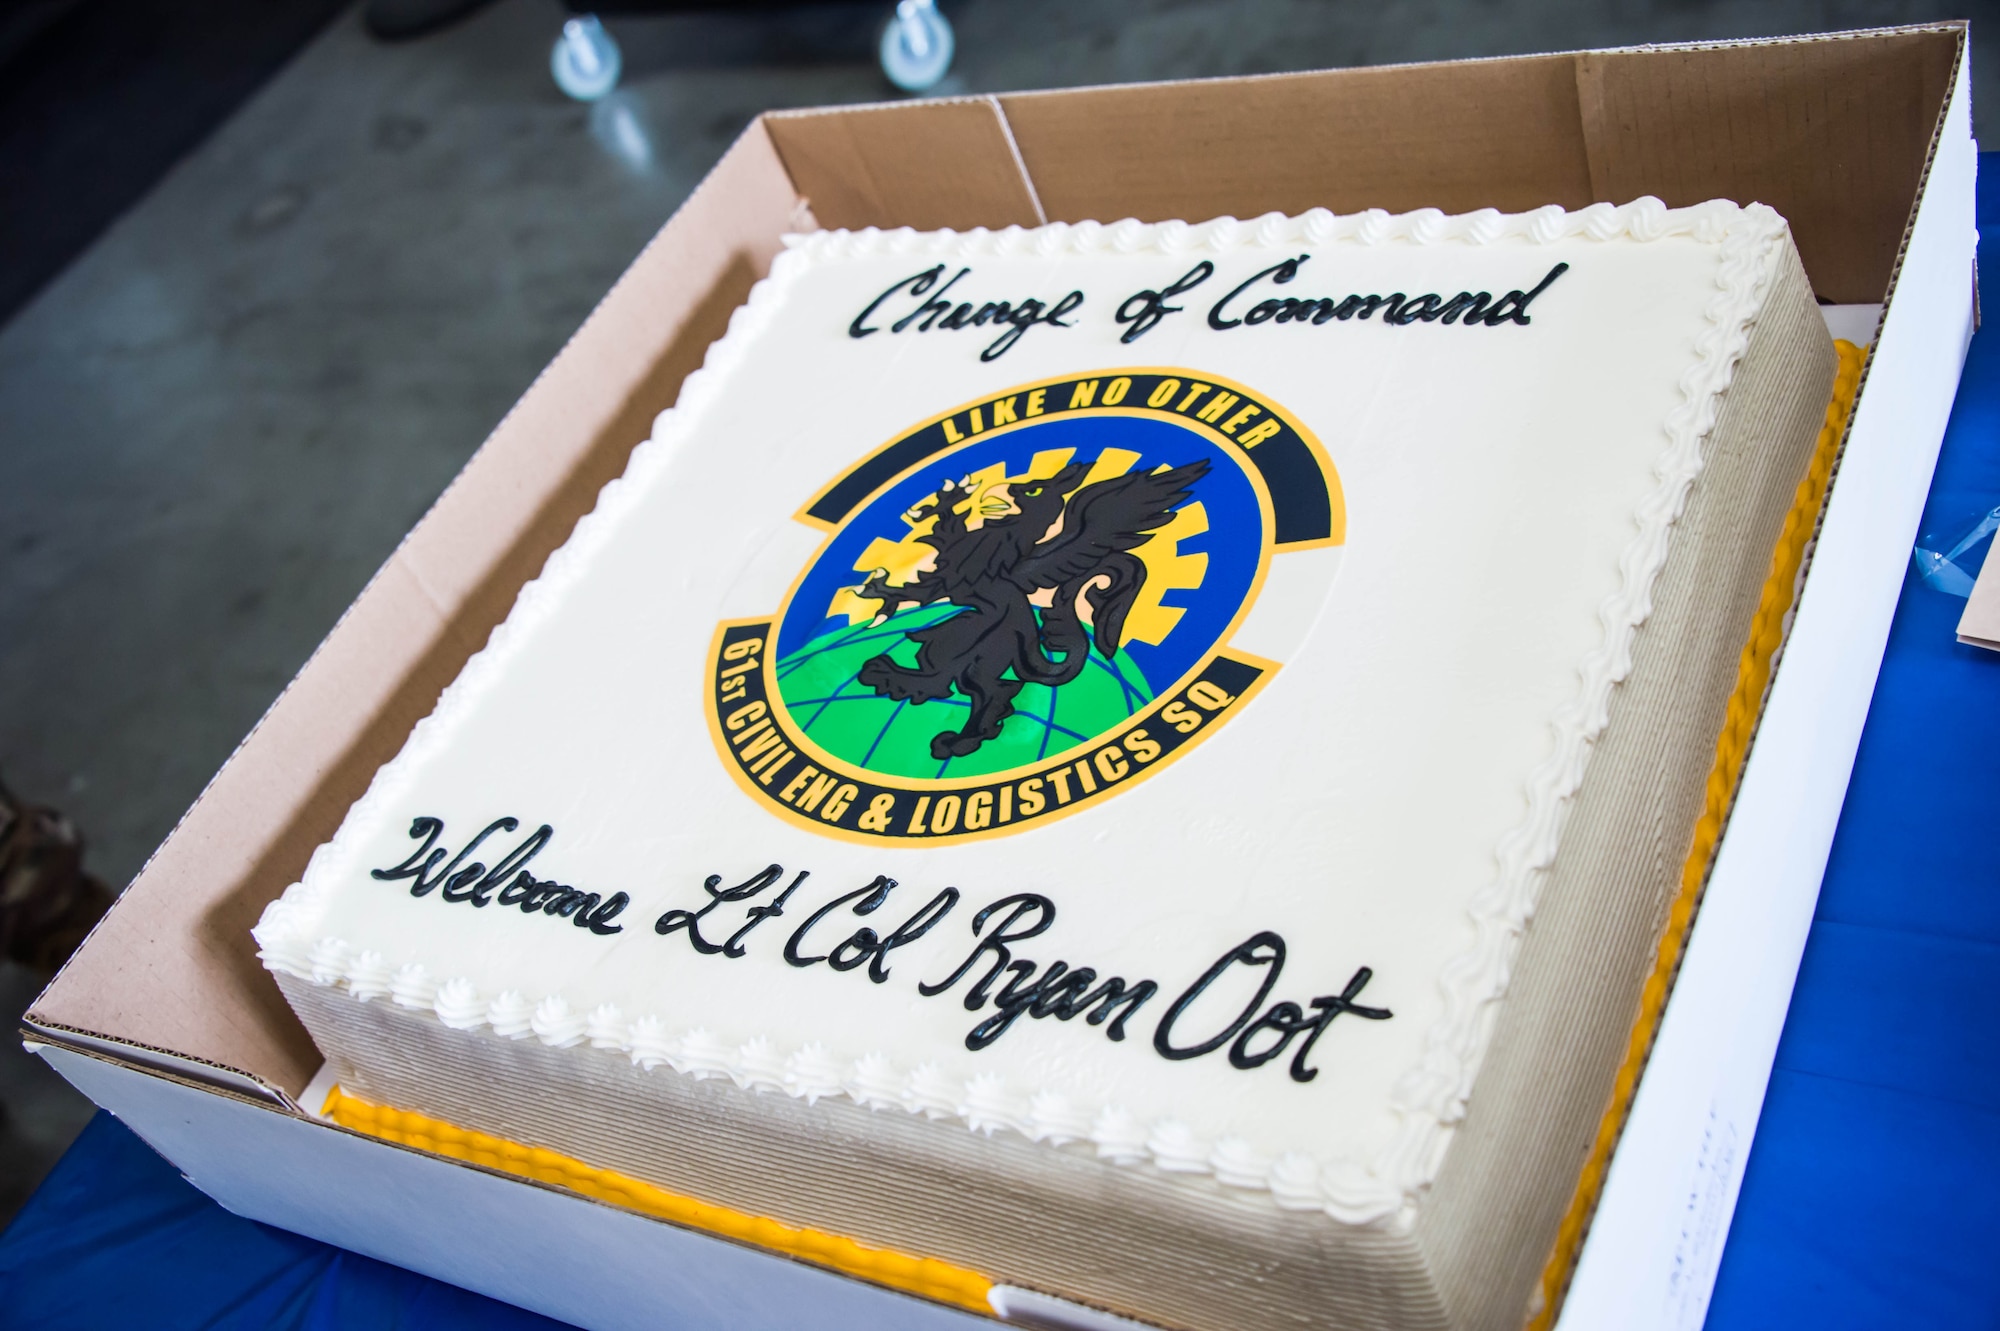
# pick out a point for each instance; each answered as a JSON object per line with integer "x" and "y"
{"x": 1034, "y": 542}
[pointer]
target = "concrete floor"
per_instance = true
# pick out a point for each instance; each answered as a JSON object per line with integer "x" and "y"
{"x": 217, "y": 422}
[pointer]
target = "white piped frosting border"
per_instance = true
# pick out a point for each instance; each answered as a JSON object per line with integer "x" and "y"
{"x": 1430, "y": 1099}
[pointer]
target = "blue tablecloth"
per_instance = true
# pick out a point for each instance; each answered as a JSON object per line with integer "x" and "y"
{"x": 1873, "y": 1193}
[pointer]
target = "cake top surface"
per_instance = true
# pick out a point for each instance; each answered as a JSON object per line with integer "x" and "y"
{"x": 1116, "y": 684}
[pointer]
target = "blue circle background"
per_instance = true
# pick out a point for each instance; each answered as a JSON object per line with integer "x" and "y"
{"x": 1233, "y": 541}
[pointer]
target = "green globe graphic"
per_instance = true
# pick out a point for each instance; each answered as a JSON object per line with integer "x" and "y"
{"x": 852, "y": 722}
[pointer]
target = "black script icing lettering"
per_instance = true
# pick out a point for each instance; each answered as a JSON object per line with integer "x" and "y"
{"x": 1254, "y": 1038}
{"x": 475, "y": 883}
{"x": 1014, "y": 999}
{"x": 1145, "y": 308}
{"x": 428, "y": 829}
{"x": 1059, "y": 992}
{"x": 1327, "y": 1009}
{"x": 864, "y": 945}
{"x": 995, "y": 943}
{"x": 475, "y": 880}
{"x": 756, "y": 915}
{"x": 1311, "y": 310}
{"x": 1277, "y": 272}
{"x": 935, "y": 307}
{"x": 917, "y": 285}
{"x": 1500, "y": 313}
{"x": 1398, "y": 309}
{"x": 1261, "y": 949}
{"x": 1425, "y": 308}
{"x": 585, "y": 911}
{"x": 450, "y": 874}
{"x": 567, "y": 902}
{"x": 718, "y": 895}
{"x": 1003, "y": 986}
{"x": 598, "y": 919}
{"x": 1285, "y": 1020}
{"x": 513, "y": 863}
{"x": 908, "y": 932}
{"x": 935, "y": 313}
{"x": 1466, "y": 303}
{"x": 869, "y": 899}
{"x": 1026, "y": 316}
{"x": 1114, "y": 996}
{"x": 1370, "y": 304}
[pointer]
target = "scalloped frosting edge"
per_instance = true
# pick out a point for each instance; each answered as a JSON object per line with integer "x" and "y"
{"x": 1429, "y": 1100}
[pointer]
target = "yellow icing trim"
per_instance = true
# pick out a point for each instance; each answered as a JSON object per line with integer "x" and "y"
{"x": 1732, "y": 748}
{"x": 923, "y": 1276}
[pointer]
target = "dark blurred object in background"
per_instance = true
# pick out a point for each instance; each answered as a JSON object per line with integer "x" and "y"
{"x": 98, "y": 98}
{"x": 401, "y": 20}
{"x": 47, "y": 902}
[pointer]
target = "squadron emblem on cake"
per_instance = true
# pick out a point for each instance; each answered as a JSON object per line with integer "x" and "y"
{"x": 1022, "y": 607}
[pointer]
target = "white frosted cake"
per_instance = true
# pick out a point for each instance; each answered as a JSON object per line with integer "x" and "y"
{"x": 1140, "y": 763}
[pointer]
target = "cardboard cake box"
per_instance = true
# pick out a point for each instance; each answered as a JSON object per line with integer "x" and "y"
{"x": 1863, "y": 140}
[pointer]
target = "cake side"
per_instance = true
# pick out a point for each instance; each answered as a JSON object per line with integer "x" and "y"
{"x": 1543, "y": 1089}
